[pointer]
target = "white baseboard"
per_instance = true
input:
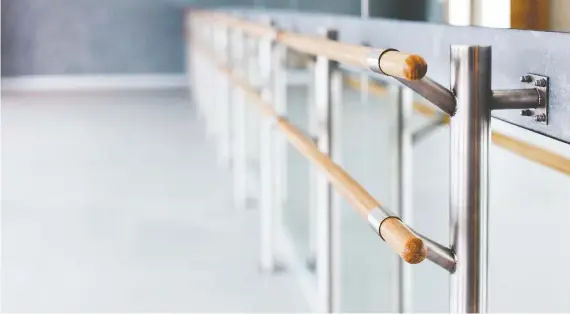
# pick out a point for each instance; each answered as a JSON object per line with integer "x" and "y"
{"x": 93, "y": 82}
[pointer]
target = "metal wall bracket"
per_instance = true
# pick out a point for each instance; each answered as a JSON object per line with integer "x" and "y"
{"x": 541, "y": 84}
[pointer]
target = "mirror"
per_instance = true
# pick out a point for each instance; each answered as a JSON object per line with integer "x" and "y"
{"x": 544, "y": 15}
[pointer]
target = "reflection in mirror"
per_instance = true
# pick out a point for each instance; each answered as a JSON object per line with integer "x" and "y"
{"x": 545, "y": 15}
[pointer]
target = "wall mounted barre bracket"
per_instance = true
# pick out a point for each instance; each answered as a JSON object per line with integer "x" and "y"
{"x": 533, "y": 100}
{"x": 434, "y": 92}
{"x": 440, "y": 255}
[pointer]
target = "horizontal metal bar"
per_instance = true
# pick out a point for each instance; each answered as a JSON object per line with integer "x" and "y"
{"x": 438, "y": 254}
{"x": 516, "y": 99}
{"x": 431, "y": 90}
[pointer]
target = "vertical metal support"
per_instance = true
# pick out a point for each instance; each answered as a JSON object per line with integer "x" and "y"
{"x": 337, "y": 85}
{"x": 252, "y": 122}
{"x": 189, "y": 25}
{"x": 205, "y": 67}
{"x": 281, "y": 108}
{"x": 278, "y": 89}
{"x": 324, "y": 69}
{"x": 364, "y": 9}
{"x": 403, "y": 167}
{"x": 239, "y": 159}
{"x": 267, "y": 182}
{"x": 210, "y": 94}
{"x": 364, "y": 82}
{"x": 224, "y": 110}
{"x": 471, "y": 83}
{"x": 313, "y": 170}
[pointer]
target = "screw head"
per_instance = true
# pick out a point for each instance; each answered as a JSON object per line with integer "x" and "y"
{"x": 526, "y": 78}
{"x": 540, "y": 117}
{"x": 540, "y": 83}
{"x": 527, "y": 112}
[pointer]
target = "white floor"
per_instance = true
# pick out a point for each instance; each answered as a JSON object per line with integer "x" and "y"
{"x": 112, "y": 201}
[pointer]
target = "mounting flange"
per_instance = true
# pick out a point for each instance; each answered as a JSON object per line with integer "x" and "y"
{"x": 541, "y": 84}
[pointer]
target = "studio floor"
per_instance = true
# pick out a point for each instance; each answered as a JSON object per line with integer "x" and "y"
{"x": 113, "y": 201}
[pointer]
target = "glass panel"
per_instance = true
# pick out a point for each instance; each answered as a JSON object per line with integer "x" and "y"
{"x": 528, "y": 228}
{"x": 430, "y": 204}
{"x": 297, "y": 212}
{"x": 363, "y": 141}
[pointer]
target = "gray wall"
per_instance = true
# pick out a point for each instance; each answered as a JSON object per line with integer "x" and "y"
{"x": 55, "y": 37}
{"x": 91, "y": 36}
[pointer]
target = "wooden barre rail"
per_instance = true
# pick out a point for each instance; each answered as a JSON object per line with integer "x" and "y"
{"x": 389, "y": 62}
{"x": 398, "y": 236}
{"x": 526, "y": 150}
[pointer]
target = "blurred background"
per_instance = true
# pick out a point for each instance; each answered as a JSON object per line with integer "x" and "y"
{"x": 114, "y": 200}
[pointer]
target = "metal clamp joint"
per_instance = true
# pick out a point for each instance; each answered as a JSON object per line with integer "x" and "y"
{"x": 374, "y": 58}
{"x": 377, "y": 216}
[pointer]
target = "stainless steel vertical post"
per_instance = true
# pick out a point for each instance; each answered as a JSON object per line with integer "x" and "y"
{"x": 324, "y": 69}
{"x": 211, "y": 37}
{"x": 239, "y": 158}
{"x": 278, "y": 90}
{"x": 403, "y": 168}
{"x": 313, "y": 170}
{"x": 252, "y": 122}
{"x": 364, "y": 9}
{"x": 266, "y": 162}
{"x": 281, "y": 108}
{"x": 471, "y": 84}
{"x": 224, "y": 110}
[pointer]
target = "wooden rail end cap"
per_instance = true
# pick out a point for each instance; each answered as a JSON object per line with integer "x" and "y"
{"x": 417, "y": 67}
{"x": 415, "y": 251}
{"x": 400, "y": 64}
{"x": 403, "y": 240}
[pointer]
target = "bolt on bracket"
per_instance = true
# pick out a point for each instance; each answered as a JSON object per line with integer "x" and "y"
{"x": 532, "y": 100}
{"x": 541, "y": 84}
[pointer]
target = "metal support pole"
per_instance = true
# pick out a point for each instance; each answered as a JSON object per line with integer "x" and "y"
{"x": 253, "y": 123}
{"x": 364, "y": 9}
{"x": 239, "y": 159}
{"x": 204, "y": 86}
{"x": 403, "y": 161}
{"x": 216, "y": 90}
{"x": 210, "y": 94}
{"x": 266, "y": 162}
{"x": 471, "y": 83}
{"x": 324, "y": 69}
{"x": 224, "y": 110}
{"x": 281, "y": 109}
{"x": 280, "y": 142}
{"x": 313, "y": 171}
